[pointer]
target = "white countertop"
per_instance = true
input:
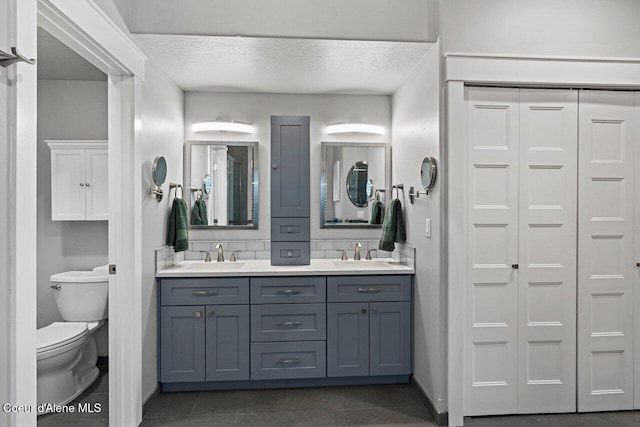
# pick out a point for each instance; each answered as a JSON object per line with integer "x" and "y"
{"x": 246, "y": 268}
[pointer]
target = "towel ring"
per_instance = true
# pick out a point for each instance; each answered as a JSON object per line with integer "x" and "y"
{"x": 200, "y": 194}
{"x": 176, "y": 186}
{"x": 397, "y": 187}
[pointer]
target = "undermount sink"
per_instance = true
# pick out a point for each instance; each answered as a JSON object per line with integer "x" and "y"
{"x": 216, "y": 266}
{"x": 373, "y": 263}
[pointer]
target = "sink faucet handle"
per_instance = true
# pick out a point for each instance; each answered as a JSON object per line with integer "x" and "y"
{"x": 344, "y": 254}
{"x": 356, "y": 255}
{"x": 208, "y": 257}
{"x": 220, "y": 252}
{"x": 233, "y": 257}
{"x": 368, "y": 257}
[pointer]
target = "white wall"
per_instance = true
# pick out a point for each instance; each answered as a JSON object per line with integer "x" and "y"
{"x": 408, "y": 20}
{"x": 162, "y": 135}
{"x": 257, "y": 109}
{"x": 67, "y": 110}
{"x": 542, "y": 27}
{"x": 416, "y": 134}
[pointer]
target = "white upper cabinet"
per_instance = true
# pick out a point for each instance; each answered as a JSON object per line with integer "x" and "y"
{"x": 79, "y": 177}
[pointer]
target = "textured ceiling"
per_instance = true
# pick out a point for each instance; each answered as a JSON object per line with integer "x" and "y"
{"x": 246, "y": 64}
{"x": 57, "y": 62}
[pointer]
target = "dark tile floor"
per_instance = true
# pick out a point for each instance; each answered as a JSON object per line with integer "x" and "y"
{"x": 97, "y": 393}
{"x": 335, "y": 406}
{"x": 385, "y": 405}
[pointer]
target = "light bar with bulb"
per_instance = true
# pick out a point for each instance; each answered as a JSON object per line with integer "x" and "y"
{"x": 222, "y": 127}
{"x": 355, "y": 128}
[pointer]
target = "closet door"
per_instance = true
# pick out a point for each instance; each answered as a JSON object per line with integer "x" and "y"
{"x": 606, "y": 264}
{"x": 547, "y": 251}
{"x": 491, "y": 333}
{"x": 636, "y": 274}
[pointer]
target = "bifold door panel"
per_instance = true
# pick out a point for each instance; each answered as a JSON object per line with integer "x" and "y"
{"x": 520, "y": 336}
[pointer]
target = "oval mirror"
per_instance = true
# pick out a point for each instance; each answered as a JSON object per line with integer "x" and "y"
{"x": 369, "y": 188}
{"x": 357, "y": 180}
{"x": 159, "y": 170}
{"x": 428, "y": 172}
{"x": 207, "y": 183}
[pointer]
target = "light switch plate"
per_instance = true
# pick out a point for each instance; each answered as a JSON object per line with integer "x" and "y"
{"x": 427, "y": 227}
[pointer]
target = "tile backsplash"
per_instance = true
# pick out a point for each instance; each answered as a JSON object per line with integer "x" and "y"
{"x": 261, "y": 249}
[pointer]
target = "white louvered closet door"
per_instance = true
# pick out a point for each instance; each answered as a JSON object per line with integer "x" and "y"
{"x": 521, "y": 290}
{"x": 606, "y": 262}
{"x": 547, "y": 251}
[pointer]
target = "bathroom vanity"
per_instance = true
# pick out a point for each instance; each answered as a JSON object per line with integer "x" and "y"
{"x": 252, "y": 325}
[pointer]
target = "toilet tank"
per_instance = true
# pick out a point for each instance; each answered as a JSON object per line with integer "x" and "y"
{"x": 81, "y": 296}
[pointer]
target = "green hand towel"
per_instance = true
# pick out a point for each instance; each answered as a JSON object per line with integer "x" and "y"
{"x": 178, "y": 235}
{"x": 195, "y": 214}
{"x": 377, "y": 213}
{"x": 203, "y": 212}
{"x": 393, "y": 229}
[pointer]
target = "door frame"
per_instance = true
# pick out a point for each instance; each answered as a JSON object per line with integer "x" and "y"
{"x": 462, "y": 69}
{"x": 86, "y": 29}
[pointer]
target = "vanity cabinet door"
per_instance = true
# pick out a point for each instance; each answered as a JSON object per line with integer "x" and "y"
{"x": 290, "y": 179}
{"x": 347, "y": 339}
{"x": 182, "y": 344}
{"x": 390, "y": 338}
{"x": 227, "y": 339}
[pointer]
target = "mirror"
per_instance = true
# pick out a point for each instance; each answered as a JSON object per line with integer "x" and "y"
{"x": 354, "y": 176}
{"x": 428, "y": 173}
{"x": 224, "y": 176}
{"x": 159, "y": 171}
{"x": 357, "y": 180}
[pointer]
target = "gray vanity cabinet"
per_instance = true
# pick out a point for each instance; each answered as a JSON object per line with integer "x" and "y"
{"x": 290, "y": 190}
{"x": 204, "y": 332}
{"x": 182, "y": 344}
{"x": 369, "y": 326}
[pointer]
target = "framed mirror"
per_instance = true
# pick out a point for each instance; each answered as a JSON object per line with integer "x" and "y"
{"x": 354, "y": 177}
{"x": 222, "y": 175}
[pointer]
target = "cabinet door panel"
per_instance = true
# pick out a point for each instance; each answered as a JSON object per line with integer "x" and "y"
{"x": 290, "y": 166}
{"x": 96, "y": 180}
{"x": 182, "y": 344}
{"x": 67, "y": 185}
{"x": 347, "y": 339}
{"x": 390, "y": 338}
{"x": 227, "y": 342}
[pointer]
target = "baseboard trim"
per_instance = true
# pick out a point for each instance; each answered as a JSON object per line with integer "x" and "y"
{"x": 440, "y": 418}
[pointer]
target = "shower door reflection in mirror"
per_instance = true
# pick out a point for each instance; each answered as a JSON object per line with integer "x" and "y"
{"x": 229, "y": 171}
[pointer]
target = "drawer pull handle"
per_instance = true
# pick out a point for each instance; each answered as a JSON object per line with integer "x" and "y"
{"x": 205, "y": 293}
{"x": 369, "y": 290}
{"x": 198, "y": 314}
{"x": 287, "y": 291}
{"x": 288, "y": 323}
{"x": 287, "y": 361}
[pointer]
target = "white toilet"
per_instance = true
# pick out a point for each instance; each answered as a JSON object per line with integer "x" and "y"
{"x": 67, "y": 352}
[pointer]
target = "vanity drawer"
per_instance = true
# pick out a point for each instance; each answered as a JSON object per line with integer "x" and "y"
{"x": 290, "y": 253}
{"x": 368, "y": 288}
{"x": 288, "y": 322}
{"x": 287, "y": 360}
{"x": 202, "y": 291}
{"x": 274, "y": 290}
{"x": 290, "y": 229}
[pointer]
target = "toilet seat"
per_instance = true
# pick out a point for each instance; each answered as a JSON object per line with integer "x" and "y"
{"x": 59, "y": 334}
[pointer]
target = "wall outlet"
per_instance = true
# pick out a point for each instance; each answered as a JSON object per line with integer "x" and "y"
{"x": 427, "y": 227}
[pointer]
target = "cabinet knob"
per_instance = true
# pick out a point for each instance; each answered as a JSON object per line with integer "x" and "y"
{"x": 82, "y": 184}
{"x": 515, "y": 266}
{"x": 87, "y": 184}
{"x": 210, "y": 314}
{"x": 375, "y": 311}
{"x": 289, "y": 254}
{"x": 274, "y": 166}
{"x": 637, "y": 264}
{"x": 198, "y": 314}
{"x": 364, "y": 311}
{"x": 289, "y": 229}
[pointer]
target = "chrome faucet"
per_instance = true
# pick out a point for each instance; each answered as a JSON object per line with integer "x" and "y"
{"x": 356, "y": 255}
{"x": 368, "y": 257}
{"x": 233, "y": 257}
{"x": 344, "y": 254}
{"x": 208, "y": 257}
{"x": 220, "y": 253}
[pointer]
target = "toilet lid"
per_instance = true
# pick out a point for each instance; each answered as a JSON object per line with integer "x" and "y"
{"x": 59, "y": 334}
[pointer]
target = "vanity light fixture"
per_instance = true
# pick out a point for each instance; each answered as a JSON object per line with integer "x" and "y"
{"x": 355, "y": 128}
{"x": 216, "y": 126}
